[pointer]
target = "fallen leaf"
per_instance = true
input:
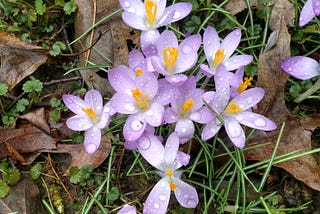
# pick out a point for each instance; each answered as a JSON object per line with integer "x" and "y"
{"x": 19, "y": 59}
{"x": 237, "y": 6}
{"x": 298, "y": 130}
{"x": 38, "y": 119}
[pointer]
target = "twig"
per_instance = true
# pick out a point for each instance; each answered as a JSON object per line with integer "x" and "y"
{"x": 60, "y": 180}
{"x": 46, "y": 187}
{"x": 70, "y": 79}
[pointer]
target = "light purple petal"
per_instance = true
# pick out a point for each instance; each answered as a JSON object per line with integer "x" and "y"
{"x": 167, "y": 39}
{"x": 306, "y": 14}
{"x": 210, "y": 130}
{"x": 127, "y": 209}
{"x": 255, "y": 121}
{"x": 300, "y": 67}
{"x": 92, "y": 140}
{"x": 121, "y": 78}
{"x": 154, "y": 115}
{"x": 161, "y": 6}
{"x": 134, "y": 21}
{"x": 79, "y": 123}
{"x": 148, "y": 84}
{"x": 183, "y": 158}
{"x": 171, "y": 148}
{"x": 133, "y": 128}
{"x": 135, "y": 58}
{"x": 166, "y": 92}
{"x": 316, "y": 7}
{"x": 95, "y": 101}
{"x": 231, "y": 42}
{"x": 148, "y": 40}
{"x": 196, "y": 96}
{"x": 206, "y": 70}
{"x": 203, "y": 115}
{"x": 133, "y": 6}
{"x": 184, "y": 128}
{"x": 188, "y": 53}
{"x": 186, "y": 194}
{"x": 75, "y": 104}
{"x": 107, "y": 111}
{"x": 222, "y": 85}
{"x": 170, "y": 116}
{"x": 178, "y": 11}
{"x": 249, "y": 98}
{"x": 124, "y": 103}
{"x": 158, "y": 199}
{"x": 130, "y": 145}
{"x": 211, "y": 43}
{"x": 236, "y": 62}
{"x": 235, "y": 132}
{"x": 176, "y": 79}
{"x": 151, "y": 149}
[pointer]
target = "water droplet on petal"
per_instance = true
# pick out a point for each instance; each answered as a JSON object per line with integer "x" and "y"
{"x": 91, "y": 148}
{"x": 126, "y": 4}
{"x": 177, "y": 15}
{"x": 234, "y": 132}
{"x": 260, "y": 122}
{"x": 186, "y": 195}
{"x": 191, "y": 203}
{"x": 106, "y": 109}
{"x": 195, "y": 116}
{"x": 80, "y": 125}
{"x": 156, "y": 205}
{"x": 183, "y": 129}
{"x": 150, "y": 112}
{"x": 144, "y": 143}
{"x": 249, "y": 100}
{"x": 129, "y": 107}
{"x": 136, "y": 125}
{"x": 186, "y": 49}
{"x": 162, "y": 197}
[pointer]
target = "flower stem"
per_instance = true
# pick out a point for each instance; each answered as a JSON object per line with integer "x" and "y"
{"x": 309, "y": 92}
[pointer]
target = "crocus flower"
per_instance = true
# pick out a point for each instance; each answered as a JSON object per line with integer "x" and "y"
{"x": 185, "y": 109}
{"x": 173, "y": 58}
{"x": 309, "y": 11}
{"x": 242, "y": 84}
{"x": 127, "y": 209}
{"x": 235, "y": 112}
{"x": 217, "y": 53}
{"x": 91, "y": 116}
{"x": 167, "y": 161}
{"x": 150, "y": 15}
{"x": 300, "y": 67}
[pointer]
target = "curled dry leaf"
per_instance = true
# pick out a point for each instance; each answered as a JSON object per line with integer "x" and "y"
{"x": 19, "y": 59}
{"x": 298, "y": 130}
{"x": 38, "y": 119}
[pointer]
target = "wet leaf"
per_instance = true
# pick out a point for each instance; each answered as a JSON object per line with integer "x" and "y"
{"x": 298, "y": 130}
{"x": 19, "y": 59}
{"x": 38, "y": 119}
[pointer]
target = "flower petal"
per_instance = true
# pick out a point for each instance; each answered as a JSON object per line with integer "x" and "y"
{"x": 151, "y": 149}
{"x": 167, "y": 39}
{"x": 134, "y": 21}
{"x": 306, "y": 14}
{"x": 127, "y": 209}
{"x": 206, "y": 70}
{"x": 75, "y": 104}
{"x": 221, "y": 80}
{"x": 158, "y": 199}
{"x": 133, "y": 128}
{"x": 249, "y": 98}
{"x": 171, "y": 148}
{"x": 203, "y": 115}
{"x": 124, "y": 103}
{"x": 148, "y": 84}
{"x": 95, "y": 101}
{"x": 107, "y": 111}
{"x": 184, "y": 128}
{"x": 255, "y": 121}
{"x": 183, "y": 158}
{"x": 135, "y": 58}
{"x": 79, "y": 123}
{"x": 316, "y": 7}
{"x": 178, "y": 11}
{"x": 133, "y": 6}
{"x": 236, "y": 62}
{"x": 211, "y": 43}
{"x": 148, "y": 40}
{"x": 235, "y": 132}
{"x": 176, "y": 79}
{"x": 121, "y": 78}
{"x": 154, "y": 115}
{"x": 186, "y": 194}
{"x": 300, "y": 67}
{"x": 210, "y": 130}
{"x": 166, "y": 92}
{"x": 231, "y": 42}
{"x": 170, "y": 116}
{"x": 92, "y": 140}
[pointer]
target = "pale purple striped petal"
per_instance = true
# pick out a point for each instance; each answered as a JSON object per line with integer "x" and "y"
{"x": 170, "y": 116}
{"x": 154, "y": 114}
{"x": 133, "y": 128}
{"x": 121, "y": 78}
{"x": 306, "y": 14}
{"x": 124, "y": 103}
{"x": 127, "y": 209}
{"x": 186, "y": 194}
{"x": 316, "y": 7}
{"x": 249, "y": 98}
{"x": 210, "y": 129}
{"x": 92, "y": 140}
{"x": 95, "y": 101}
{"x": 211, "y": 43}
{"x": 231, "y": 42}
{"x": 148, "y": 40}
{"x": 236, "y": 62}
{"x": 235, "y": 132}
{"x": 134, "y": 21}
{"x": 178, "y": 11}
{"x": 184, "y": 128}
{"x": 75, "y": 104}
{"x": 255, "y": 121}
{"x": 171, "y": 148}
{"x": 79, "y": 123}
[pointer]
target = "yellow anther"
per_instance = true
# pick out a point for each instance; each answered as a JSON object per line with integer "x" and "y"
{"x": 172, "y": 185}
{"x": 151, "y": 10}
{"x": 141, "y": 99}
{"x": 232, "y": 108}
{"x": 170, "y": 56}
{"x": 90, "y": 112}
{"x": 169, "y": 172}
{"x": 218, "y": 57}
{"x": 138, "y": 71}
{"x": 186, "y": 106}
{"x": 245, "y": 84}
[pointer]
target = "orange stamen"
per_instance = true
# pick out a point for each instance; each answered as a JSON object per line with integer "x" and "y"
{"x": 138, "y": 72}
{"x": 232, "y": 108}
{"x": 141, "y": 100}
{"x": 151, "y": 10}
{"x": 218, "y": 57}
{"x": 90, "y": 113}
{"x": 170, "y": 56}
{"x": 245, "y": 84}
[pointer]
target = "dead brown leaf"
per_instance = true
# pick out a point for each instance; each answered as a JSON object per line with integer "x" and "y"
{"x": 298, "y": 130}
{"x": 38, "y": 119}
{"x": 19, "y": 59}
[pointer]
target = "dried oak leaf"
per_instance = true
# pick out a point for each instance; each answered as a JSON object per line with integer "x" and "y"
{"x": 19, "y": 59}
{"x": 298, "y": 130}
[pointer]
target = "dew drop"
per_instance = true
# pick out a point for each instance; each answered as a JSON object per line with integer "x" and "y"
{"x": 91, "y": 148}
{"x": 183, "y": 129}
{"x": 129, "y": 107}
{"x": 106, "y": 109}
{"x": 156, "y": 205}
{"x": 249, "y": 100}
{"x": 234, "y": 132}
{"x": 144, "y": 143}
{"x": 195, "y": 116}
{"x": 186, "y": 49}
{"x": 126, "y": 4}
{"x": 150, "y": 112}
{"x": 162, "y": 197}
{"x": 259, "y": 122}
{"x": 176, "y": 15}
{"x": 186, "y": 195}
{"x": 80, "y": 125}
{"x": 136, "y": 125}
{"x": 191, "y": 203}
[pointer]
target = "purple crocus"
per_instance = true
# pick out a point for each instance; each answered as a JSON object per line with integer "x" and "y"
{"x": 185, "y": 109}
{"x": 217, "y": 53}
{"x": 300, "y": 67}
{"x": 235, "y": 112}
{"x": 149, "y": 16}
{"x": 127, "y": 209}
{"x": 91, "y": 116}
{"x": 242, "y": 84}
{"x": 167, "y": 160}
{"x": 173, "y": 58}
{"x": 309, "y": 11}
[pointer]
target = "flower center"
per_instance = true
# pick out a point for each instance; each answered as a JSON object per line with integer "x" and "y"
{"x": 186, "y": 106}
{"x": 218, "y": 57}
{"x": 141, "y": 99}
{"x": 138, "y": 72}
{"x": 170, "y": 55}
{"x": 244, "y": 84}
{"x": 90, "y": 112}
{"x": 151, "y": 10}
{"x": 169, "y": 173}
{"x": 232, "y": 108}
